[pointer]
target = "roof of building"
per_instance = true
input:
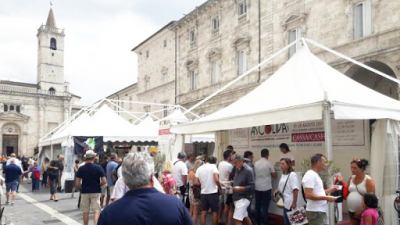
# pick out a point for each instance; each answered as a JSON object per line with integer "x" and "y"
{"x": 51, "y": 22}
{"x": 76, "y": 96}
{"x": 175, "y": 22}
{"x": 163, "y": 28}
{"x": 195, "y": 10}
{"x": 123, "y": 89}
{"x": 9, "y": 82}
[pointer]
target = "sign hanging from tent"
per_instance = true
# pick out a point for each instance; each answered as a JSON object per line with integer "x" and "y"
{"x": 82, "y": 144}
{"x": 308, "y": 135}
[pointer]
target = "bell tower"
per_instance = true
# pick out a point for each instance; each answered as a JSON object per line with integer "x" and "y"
{"x": 50, "y": 65}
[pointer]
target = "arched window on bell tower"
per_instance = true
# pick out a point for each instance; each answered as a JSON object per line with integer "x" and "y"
{"x": 53, "y": 44}
{"x": 52, "y": 91}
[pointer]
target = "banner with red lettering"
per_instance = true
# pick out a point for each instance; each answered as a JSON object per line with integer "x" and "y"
{"x": 306, "y": 135}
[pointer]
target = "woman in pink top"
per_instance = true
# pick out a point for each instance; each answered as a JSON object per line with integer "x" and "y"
{"x": 370, "y": 214}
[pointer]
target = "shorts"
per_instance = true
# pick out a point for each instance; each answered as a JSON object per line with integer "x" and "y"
{"x": 241, "y": 209}
{"x": 12, "y": 186}
{"x": 209, "y": 201}
{"x": 90, "y": 201}
{"x": 316, "y": 218}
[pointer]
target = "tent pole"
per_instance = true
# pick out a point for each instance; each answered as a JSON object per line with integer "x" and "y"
{"x": 329, "y": 153}
{"x": 51, "y": 151}
{"x": 353, "y": 61}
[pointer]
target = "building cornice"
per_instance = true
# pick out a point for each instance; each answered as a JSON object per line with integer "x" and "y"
{"x": 154, "y": 88}
{"x": 13, "y": 116}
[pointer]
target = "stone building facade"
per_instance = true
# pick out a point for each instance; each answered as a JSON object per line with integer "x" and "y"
{"x": 28, "y": 111}
{"x": 221, "y": 39}
{"x": 156, "y": 75}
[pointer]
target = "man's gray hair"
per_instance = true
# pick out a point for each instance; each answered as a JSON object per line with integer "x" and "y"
{"x": 137, "y": 169}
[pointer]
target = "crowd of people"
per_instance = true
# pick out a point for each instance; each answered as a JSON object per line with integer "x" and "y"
{"x": 135, "y": 190}
{"x": 226, "y": 190}
{"x": 16, "y": 169}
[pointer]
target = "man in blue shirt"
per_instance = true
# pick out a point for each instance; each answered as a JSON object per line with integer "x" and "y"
{"x": 92, "y": 177}
{"x": 12, "y": 174}
{"x": 143, "y": 205}
{"x": 110, "y": 170}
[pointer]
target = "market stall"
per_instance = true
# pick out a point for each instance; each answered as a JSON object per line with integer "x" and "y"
{"x": 103, "y": 122}
{"x": 307, "y": 89}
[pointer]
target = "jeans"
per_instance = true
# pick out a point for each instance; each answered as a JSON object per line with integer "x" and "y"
{"x": 285, "y": 217}
{"x": 35, "y": 184}
{"x": 263, "y": 198}
{"x": 53, "y": 185}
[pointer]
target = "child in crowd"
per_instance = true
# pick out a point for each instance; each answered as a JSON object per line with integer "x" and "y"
{"x": 370, "y": 214}
{"x": 167, "y": 180}
{"x": 35, "y": 175}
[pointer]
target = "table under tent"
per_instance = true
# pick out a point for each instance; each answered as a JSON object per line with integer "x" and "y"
{"x": 307, "y": 89}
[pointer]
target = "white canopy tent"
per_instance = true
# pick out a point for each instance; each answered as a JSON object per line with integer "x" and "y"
{"x": 305, "y": 88}
{"x": 104, "y": 122}
{"x": 298, "y": 91}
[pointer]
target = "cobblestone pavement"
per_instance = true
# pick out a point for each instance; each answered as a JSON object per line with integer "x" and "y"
{"x": 36, "y": 208}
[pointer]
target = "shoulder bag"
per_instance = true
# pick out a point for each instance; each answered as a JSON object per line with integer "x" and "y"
{"x": 278, "y": 196}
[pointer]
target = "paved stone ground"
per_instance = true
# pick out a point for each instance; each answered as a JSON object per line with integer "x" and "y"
{"x": 24, "y": 212}
{"x": 36, "y": 209}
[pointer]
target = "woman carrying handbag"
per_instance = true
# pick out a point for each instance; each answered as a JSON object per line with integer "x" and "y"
{"x": 288, "y": 187}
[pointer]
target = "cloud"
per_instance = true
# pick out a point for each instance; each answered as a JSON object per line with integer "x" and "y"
{"x": 99, "y": 37}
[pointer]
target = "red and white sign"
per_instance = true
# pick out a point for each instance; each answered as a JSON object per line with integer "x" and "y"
{"x": 302, "y": 135}
{"x": 164, "y": 131}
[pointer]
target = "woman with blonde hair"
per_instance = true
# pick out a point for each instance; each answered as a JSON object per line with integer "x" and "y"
{"x": 167, "y": 180}
{"x": 194, "y": 191}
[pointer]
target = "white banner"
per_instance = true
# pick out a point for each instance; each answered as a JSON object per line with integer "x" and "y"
{"x": 307, "y": 135}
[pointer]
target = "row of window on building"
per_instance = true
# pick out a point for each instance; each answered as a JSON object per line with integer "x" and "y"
{"x": 11, "y": 108}
{"x": 362, "y": 24}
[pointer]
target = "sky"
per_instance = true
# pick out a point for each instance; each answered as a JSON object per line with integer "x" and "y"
{"x": 99, "y": 37}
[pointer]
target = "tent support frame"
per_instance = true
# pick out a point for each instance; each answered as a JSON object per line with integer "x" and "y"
{"x": 329, "y": 151}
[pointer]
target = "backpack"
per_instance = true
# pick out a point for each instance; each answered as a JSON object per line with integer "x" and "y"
{"x": 114, "y": 174}
{"x": 36, "y": 174}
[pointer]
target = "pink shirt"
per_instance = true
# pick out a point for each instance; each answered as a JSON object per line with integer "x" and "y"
{"x": 370, "y": 212}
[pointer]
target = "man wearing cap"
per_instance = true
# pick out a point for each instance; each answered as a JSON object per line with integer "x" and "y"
{"x": 93, "y": 178}
{"x": 243, "y": 186}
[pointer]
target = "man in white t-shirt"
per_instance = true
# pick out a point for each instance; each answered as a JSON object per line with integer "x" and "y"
{"x": 225, "y": 168}
{"x": 207, "y": 177}
{"x": 316, "y": 195}
{"x": 180, "y": 172}
{"x": 264, "y": 172}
